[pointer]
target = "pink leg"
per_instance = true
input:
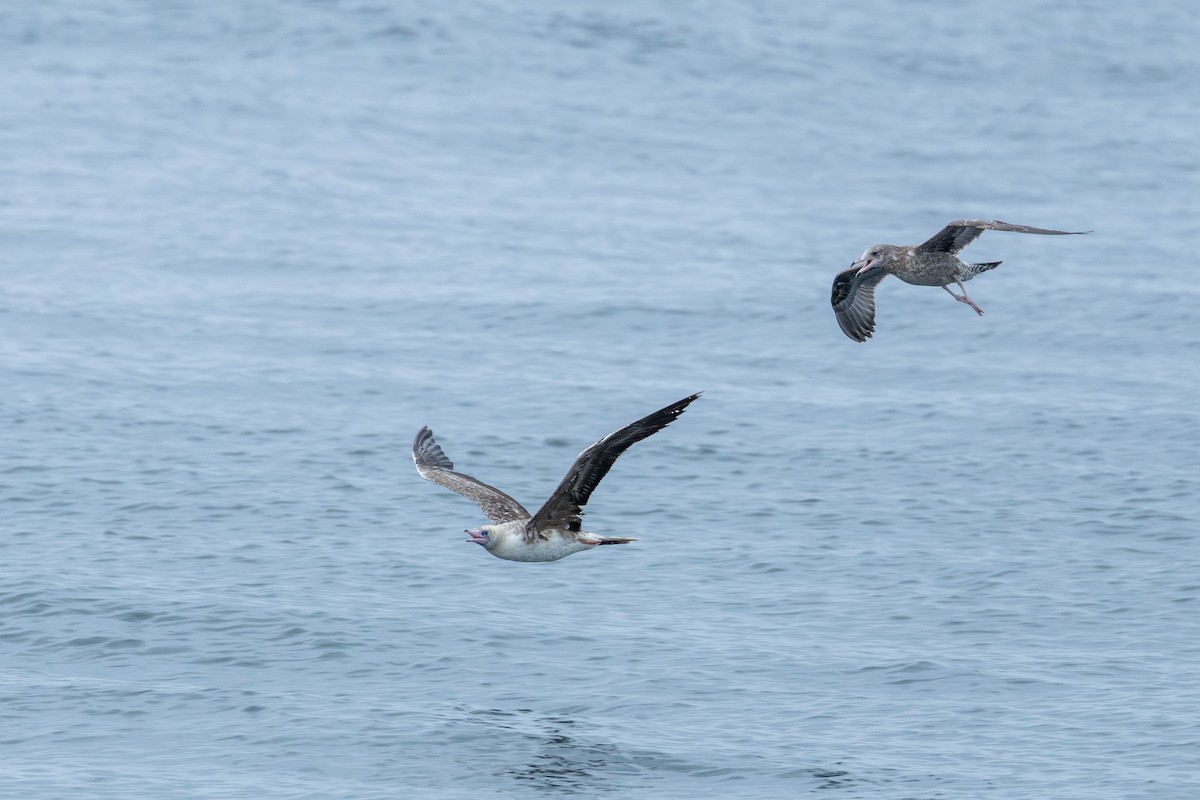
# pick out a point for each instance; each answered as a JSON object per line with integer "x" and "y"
{"x": 964, "y": 298}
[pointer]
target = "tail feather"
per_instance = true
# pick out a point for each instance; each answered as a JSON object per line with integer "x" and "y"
{"x": 615, "y": 540}
{"x": 971, "y": 270}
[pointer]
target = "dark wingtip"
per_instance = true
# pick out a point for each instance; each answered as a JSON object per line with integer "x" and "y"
{"x": 656, "y": 421}
{"x": 660, "y": 419}
{"x": 677, "y": 408}
{"x": 856, "y": 333}
{"x": 423, "y": 435}
{"x": 429, "y": 451}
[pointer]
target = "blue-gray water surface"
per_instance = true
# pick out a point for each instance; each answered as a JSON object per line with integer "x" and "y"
{"x": 249, "y": 248}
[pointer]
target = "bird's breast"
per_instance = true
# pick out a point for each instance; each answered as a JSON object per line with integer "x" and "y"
{"x": 928, "y": 269}
{"x": 551, "y": 546}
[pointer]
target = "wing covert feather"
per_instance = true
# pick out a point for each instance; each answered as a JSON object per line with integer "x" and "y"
{"x": 433, "y": 465}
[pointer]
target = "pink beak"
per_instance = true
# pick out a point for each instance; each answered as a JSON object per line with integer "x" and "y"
{"x": 863, "y": 265}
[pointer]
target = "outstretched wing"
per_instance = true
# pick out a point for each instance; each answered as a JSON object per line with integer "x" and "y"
{"x": 434, "y": 466}
{"x": 960, "y": 233}
{"x": 853, "y": 301}
{"x": 565, "y": 507}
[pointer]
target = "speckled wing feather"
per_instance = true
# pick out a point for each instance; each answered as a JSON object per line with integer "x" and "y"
{"x": 434, "y": 466}
{"x": 565, "y": 507}
{"x": 853, "y": 301}
{"x": 960, "y": 233}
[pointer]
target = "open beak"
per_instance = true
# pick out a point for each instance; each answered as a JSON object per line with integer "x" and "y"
{"x": 477, "y": 536}
{"x": 863, "y": 265}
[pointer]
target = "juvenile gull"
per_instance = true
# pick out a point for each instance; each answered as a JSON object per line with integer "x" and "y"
{"x": 933, "y": 263}
{"x": 555, "y": 531}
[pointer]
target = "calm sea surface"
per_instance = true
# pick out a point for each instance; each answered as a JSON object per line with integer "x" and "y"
{"x": 249, "y": 248}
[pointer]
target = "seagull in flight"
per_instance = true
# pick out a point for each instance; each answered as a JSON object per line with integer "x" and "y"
{"x": 555, "y": 531}
{"x": 932, "y": 263}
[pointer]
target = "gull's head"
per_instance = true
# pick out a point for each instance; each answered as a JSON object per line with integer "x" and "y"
{"x": 871, "y": 257}
{"x": 481, "y": 536}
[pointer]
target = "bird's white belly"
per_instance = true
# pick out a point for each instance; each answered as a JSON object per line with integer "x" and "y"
{"x": 550, "y": 549}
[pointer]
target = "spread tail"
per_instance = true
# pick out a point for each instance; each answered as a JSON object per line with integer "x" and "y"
{"x": 615, "y": 540}
{"x": 971, "y": 270}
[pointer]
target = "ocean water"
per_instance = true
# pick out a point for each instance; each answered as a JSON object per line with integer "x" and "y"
{"x": 249, "y": 248}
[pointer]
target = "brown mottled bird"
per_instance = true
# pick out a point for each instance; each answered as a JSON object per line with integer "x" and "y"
{"x": 932, "y": 263}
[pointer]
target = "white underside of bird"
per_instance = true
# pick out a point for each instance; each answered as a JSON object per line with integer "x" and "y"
{"x": 509, "y": 541}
